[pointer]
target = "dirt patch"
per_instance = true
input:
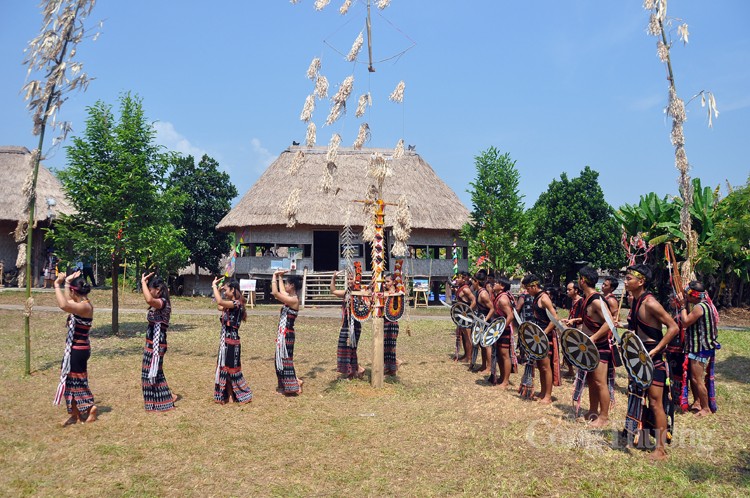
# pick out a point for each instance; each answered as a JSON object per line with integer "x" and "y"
{"x": 735, "y": 317}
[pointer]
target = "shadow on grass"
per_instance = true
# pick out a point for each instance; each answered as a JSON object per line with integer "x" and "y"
{"x": 129, "y": 330}
{"x": 736, "y": 368}
{"x": 313, "y": 372}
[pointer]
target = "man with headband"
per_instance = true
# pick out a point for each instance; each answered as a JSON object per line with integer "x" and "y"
{"x": 700, "y": 345}
{"x": 646, "y": 319}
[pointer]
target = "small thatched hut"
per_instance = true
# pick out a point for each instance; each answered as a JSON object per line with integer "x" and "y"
{"x": 15, "y": 164}
{"x": 260, "y": 219}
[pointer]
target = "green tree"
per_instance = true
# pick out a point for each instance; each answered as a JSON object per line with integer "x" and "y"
{"x": 208, "y": 194}
{"x": 116, "y": 181}
{"x": 498, "y": 229}
{"x": 572, "y": 222}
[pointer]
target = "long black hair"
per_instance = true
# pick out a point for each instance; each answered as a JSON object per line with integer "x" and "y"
{"x": 159, "y": 283}
{"x": 234, "y": 285}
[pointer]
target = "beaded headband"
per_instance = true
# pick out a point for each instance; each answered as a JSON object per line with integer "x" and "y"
{"x": 637, "y": 274}
{"x": 694, "y": 293}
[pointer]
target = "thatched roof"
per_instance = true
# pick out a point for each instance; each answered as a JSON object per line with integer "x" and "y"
{"x": 15, "y": 164}
{"x": 432, "y": 203}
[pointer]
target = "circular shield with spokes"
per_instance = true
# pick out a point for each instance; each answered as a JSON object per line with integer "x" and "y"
{"x": 477, "y": 330}
{"x": 462, "y": 315}
{"x": 493, "y": 332}
{"x": 533, "y": 340}
{"x": 637, "y": 361}
{"x": 579, "y": 349}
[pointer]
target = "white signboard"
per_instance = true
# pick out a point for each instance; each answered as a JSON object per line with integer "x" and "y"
{"x": 247, "y": 285}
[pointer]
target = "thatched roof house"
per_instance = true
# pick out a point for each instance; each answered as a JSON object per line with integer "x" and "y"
{"x": 259, "y": 218}
{"x": 15, "y": 164}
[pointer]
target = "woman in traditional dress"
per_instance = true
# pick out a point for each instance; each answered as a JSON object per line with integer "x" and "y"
{"x": 156, "y": 394}
{"x": 229, "y": 383}
{"x": 347, "y": 363}
{"x": 74, "y": 378}
{"x": 390, "y": 331}
{"x": 286, "y": 292}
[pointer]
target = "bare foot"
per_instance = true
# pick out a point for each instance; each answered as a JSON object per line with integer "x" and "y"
{"x": 463, "y": 359}
{"x": 481, "y": 369}
{"x": 301, "y": 383}
{"x": 360, "y": 373}
{"x": 93, "y": 414}
{"x": 703, "y": 413}
{"x": 503, "y": 385}
{"x": 599, "y": 422}
{"x": 695, "y": 407}
{"x": 658, "y": 455}
{"x": 545, "y": 400}
{"x": 72, "y": 420}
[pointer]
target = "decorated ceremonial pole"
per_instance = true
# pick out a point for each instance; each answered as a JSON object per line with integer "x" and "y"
{"x": 378, "y": 300}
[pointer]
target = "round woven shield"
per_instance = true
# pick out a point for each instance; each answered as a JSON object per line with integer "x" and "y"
{"x": 493, "y": 332}
{"x": 533, "y": 340}
{"x": 579, "y": 349}
{"x": 477, "y": 330}
{"x": 360, "y": 307}
{"x": 394, "y": 308}
{"x": 462, "y": 315}
{"x": 637, "y": 361}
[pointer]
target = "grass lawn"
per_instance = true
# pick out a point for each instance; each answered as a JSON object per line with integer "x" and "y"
{"x": 436, "y": 429}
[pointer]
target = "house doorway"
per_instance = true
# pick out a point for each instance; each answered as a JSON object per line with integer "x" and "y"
{"x": 325, "y": 250}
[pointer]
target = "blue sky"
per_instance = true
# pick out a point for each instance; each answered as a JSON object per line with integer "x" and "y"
{"x": 557, "y": 84}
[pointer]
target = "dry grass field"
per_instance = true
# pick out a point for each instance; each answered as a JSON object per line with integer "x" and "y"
{"x": 435, "y": 430}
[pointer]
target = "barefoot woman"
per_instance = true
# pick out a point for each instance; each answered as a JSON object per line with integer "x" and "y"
{"x": 229, "y": 382}
{"x": 74, "y": 379}
{"x": 156, "y": 394}
{"x": 286, "y": 292}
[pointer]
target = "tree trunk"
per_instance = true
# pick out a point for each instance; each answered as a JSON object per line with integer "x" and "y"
{"x": 115, "y": 295}
{"x": 196, "y": 279}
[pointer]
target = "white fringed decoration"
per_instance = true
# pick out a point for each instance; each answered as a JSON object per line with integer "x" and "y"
{"x": 297, "y": 161}
{"x": 307, "y": 110}
{"x": 326, "y": 182}
{"x": 335, "y": 113}
{"x": 65, "y": 367}
{"x": 398, "y": 152}
{"x": 321, "y": 4}
{"x": 382, "y": 4}
{"x": 676, "y": 107}
{"x": 314, "y": 68}
{"x": 333, "y": 148}
{"x": 345, "y": 7}
{"x": 654, "y": 29}
{"x": 682, "y": 32}
{"x": 363, "y": 136}
{"x": 380, "y": 169}
{"x": 364, "y": 101}
{"x": 401, "y": 227}
{"x": 356, "y": 47}
{"x": 347, "y": 240}
{"x": 342, "y": 95}
{"x": 321, "y": 87}
{"x": 221, "y": 361}
{"x": 281, "y": 352}
{"x": 155, "y": 354}
{"x": 310, "y": 138}
{"x": 291, "y": 206}
{"x": 662, "y": 51}
{"x": 398, "y": 94}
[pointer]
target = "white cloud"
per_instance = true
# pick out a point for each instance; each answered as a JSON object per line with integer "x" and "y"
{"x": 167, "y": 136}
{"x": 262, "y": 157}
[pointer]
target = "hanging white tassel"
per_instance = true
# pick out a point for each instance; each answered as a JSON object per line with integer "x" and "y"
{"x": 364, "y": 101}
{"x": 291, "y": 207}
{"x": 398, "y": 152}
{"x": 297, "y": 161}
{"x": 382, "y": 4}
{"x": 356, "y": 47}
{"x": 363, "y": 136}
{"x": 336, "y": 110}
{"x": 398, "y": 93}
{"x": 333, "y": 148}
{"x": 321, "y": 87}
{"x": 307, "y": 110}
{"x": 221, "y": 360}
{"x": 345, "y": 7}
{"x": 281, "y": 352}
{"x": 342, "y": 94}
{"x": 321, "y": 4}
{"x": 310, "y": 138}
{"x": 312, "y": 70}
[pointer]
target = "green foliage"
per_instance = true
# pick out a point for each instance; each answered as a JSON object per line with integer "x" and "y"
{"x": 207, "y": 194}
{"x": 572, "y": 222}
{"x": 498, "y": 228}
{"x": 115, "y": 179}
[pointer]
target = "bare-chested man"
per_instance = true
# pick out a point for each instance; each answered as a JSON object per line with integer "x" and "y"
{"x": 646, "y": 318}
{"x": 485, "y": 308}
{"x": 504, "y": 304}
{"x": 549, "y": 367}
{"x": 596, "y": 328}
{"x": 466, "y": 296}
